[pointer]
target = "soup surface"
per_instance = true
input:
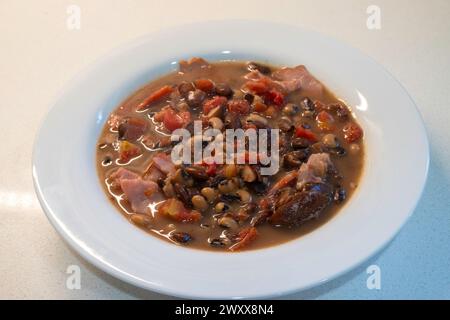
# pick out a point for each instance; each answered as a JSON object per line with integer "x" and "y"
{"x": 232, "y": 204}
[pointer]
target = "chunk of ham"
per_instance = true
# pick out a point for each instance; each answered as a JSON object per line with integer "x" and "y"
{"x": 315, "y": 170}
{"x": 298, "y": 78}
{"x": 122, "y": 174}
{"x": 154, "y": 174}
{"x": 138, "y": 192}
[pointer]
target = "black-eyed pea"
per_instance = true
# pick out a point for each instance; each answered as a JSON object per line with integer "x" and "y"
{"x": 209, "y": 193}
{"x": 230, "y": 170}
{"x": 220, "y": 207}
{"x": 199, "y": 202}
{"x": 330, "y": 140}
{"x": 228, "y": 222}
{"x": 227, "y": 186}
{"x": 141, "y": 220}
{"x": 216, "y": 123}
{"x": 247, "y": 174}
{"x": 244, "y": 195}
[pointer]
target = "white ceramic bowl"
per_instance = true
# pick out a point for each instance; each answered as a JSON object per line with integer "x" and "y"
{"x": 66, "y": 181}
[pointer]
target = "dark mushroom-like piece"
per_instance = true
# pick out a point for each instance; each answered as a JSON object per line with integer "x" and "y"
{"x": 304, "y": 205}
{"x": 295, "y": 158}
{"x": 300, "y": 143}
{"x": 223, "y": 89}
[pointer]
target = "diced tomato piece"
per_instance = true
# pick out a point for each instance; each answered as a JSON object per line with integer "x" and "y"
{"x": 324, "y": 116}
{"x": 211, "y": 169}
{"x": 245, "y": 237}
{"x": 305, "y": 133}
{"x": 325, "y": 121}
{"x": 352, "y": 132}
{"x": 128, "y": 151}
{"x": 259, "y": 87}
{"x": 174, "y": 209}
{"x": 204, "y": 85}
{"x": 260, "y": 107}
{"x": 171, "y": 119}
{"x": 239, "y": 106}
{"x": 213, "y": 103}
{"x": 186, "y": 116}
{"x": 274, "y": 97}
{"x": 155, "y": 96}
{"x": 159, "y": 116}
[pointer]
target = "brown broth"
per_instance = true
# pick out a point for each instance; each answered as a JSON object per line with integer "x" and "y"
{"x": 231, "y": 72}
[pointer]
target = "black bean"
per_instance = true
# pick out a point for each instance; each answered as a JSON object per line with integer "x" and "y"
{"x": 339, "y": 151}
{"x": 339, "y": 195}
{"x": 106, "y": 161}
{"x": 232, "y": 121}
{"x": 341, "y": 111}
{"x": 215, "y": 181}
{"x": 308, "y": 104}
{"x": 229, "y": 197}
{"x": 295, "y": 158}
{"x": 184, "y": 88}
{"x": 300, "y": 143}
{"x": 195, "y": 98}
{"x": 217, "y": 243}
{"x": 180, "y": 237}
{"x": 183, "y": 194}
{"x": 285, "y": 125}
{"x": 259, "y": 67}
{"x": 223, "y": 89}
{"x": 249, "y": 97}
{"x": 122, "y": 130}
{"x": 258, "y": 187}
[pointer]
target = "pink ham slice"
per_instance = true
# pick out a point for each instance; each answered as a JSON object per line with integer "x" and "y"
{"x": 121, "y": 174}
{"x": 298, "y": 78}
{"x": 138, "y": 192}
{"x": 163, "y": 162}
{"x": 154, "y": 174}
{"x": 314, "y": 170}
